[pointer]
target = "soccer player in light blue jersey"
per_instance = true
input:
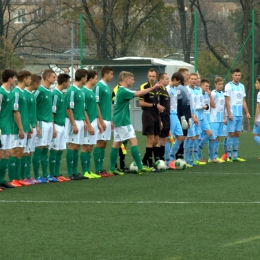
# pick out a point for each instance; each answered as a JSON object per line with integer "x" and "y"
{"x": 235, "y": 103}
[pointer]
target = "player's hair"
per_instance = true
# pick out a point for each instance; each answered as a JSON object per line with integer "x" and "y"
{"x": 236, "y": 70}
{"x": 194, "y": 74}
{"x": 91, "y": 74}
{"x": 7, "y": 74}
{"x": 80, "y": 73}
{"x": 152, "y": 70}
{"x": 22, "y": 74}
{"x": 203, "y": 81}
{"x": 106, "y": 70}
{"x": 47, "y": 73}
{"x": 161, "y": 76}
{"x": 183, "y": 69}
{"x": 178, "y": 76}
{"x": 218, "y": 79}
{"x": 124, "y": 75}
{"x": 35, "y": 78}
{"x": 257, "y": 79}
{"x": 63, "y": 78}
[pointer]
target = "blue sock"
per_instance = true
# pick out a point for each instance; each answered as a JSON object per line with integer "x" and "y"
{"x": 186, "y": 149}
{"x": 196, "y": 149}
{"x": 216, "y": 149}
{"x": 167, "y": 152}
{"x": 225, "y": 145}
{"x": 175, "y": 148}
{"x": 257, "y": 139}
{"x": 229, "y": 145}
{"x": 235, "y": 146}
{"x": 204, "y": 140}
{"x": 211, "y": 149}
{"x": 190, "y": 149}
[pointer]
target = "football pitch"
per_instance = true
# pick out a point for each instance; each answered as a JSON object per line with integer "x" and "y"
{"x": 205, "y": 212}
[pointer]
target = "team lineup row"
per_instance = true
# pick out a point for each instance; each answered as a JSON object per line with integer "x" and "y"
{"x": 34, "y": 120}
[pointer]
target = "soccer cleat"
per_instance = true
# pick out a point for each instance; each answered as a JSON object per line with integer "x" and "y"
{"x": 51, "y": 179}
{"x": 229, "y": 159}
{"x": 222, "y": 161}
{"x": 96, "y": 176}
{"x": 103, "y": 175}
{"x": 172, "y": 165}
{"x": 27, "y": 181}
{"x": 33, "y": 181}
{"x": 118, "y": 169}
{"x": 75, "y": 177}
{"x": 41, "y": 180}
{"x": 88, "y": 176}
{"x": 109, "y": 174}
{"x": 6, "y": 185}
{"x": 126, "y": 170}
{"x": 202, "y": 160}
{"x": 15, "y": 184}
{"x": 23, "y": 183}
{"x": 199, "y": 162}
{"x": 116, "y": 172}
{"x": 214, "y": 161}
{"x": 224, "y": 156}
{"x": 1, "y": 189}
{"x": 188, "y": 165}
{"x": 238, "y": 159}
{"x": 64, "y": 179}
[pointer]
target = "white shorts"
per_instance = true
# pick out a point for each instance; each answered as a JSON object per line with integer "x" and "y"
{"x": 91, "y": 139}
{"x": 122, "y": 133}
{"x": 18, "y": 142}
{"x": 59, "y": 142}
{"x": 31, "y": 142}
{"x": 106, "y": 135}
{"x": 74, "y": 138}
{"x": 6, "y": 141}
{"x": 44, "y": 139}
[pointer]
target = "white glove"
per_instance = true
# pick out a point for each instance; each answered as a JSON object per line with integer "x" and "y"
{"x": 184, "y": 123}
{"x": 190, "y": 122}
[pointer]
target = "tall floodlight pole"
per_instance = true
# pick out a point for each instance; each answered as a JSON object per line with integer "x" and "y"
{"x": 253, "y": 66}
{"x": 196, "y": 41}
{"x": 72, "y": 52}
{"x": 81, "y": 39}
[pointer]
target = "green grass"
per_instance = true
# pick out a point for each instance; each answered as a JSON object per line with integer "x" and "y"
{"x": 206, "y": 212}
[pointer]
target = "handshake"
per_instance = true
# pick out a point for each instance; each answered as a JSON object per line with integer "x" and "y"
{"x": 184, "y": 124}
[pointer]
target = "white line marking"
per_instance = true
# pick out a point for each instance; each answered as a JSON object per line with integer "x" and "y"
{"x": 227, "y": 173}
{"x": 127, "y": 202}
{"x": 242, "y": 241}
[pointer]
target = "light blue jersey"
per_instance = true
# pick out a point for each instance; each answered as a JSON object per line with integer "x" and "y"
{"x": 217, "y": 113}
{"x": 173, "y": 99}
{"x": 193, "y": 100}
{"x": 200, "y": 103}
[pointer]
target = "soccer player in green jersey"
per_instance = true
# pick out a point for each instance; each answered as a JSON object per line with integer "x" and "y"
{"x": 31, "y": 142}
{"x": 58, "y": 143}
{"x": 103, "y": 98}
{"x": 44, "y": 117}
{"x": 20, "y": 128}
{"x": 91, "y": 113}
{"x": 123, "y": 127}
{"x": 6, "y": 118}
{"x": 75, "y": 122}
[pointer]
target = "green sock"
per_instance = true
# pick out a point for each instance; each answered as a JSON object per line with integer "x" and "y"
{"x": 102, "y": 157}
{"x": 3, "y": 168}
{"x": 44, "y": 162}
{"x": 88, "y": 161}
{"x": 18, "y": 169}
{"x": 83, "y": 160}
{"x": 28, "y": 168}
{"x": 136, "y": 155}
{"x": 23, "y": 167}
{"x": 75, "y": 161}
{"x": 113, "y": 158}
{"x": 11, "y": 168}
{"x": 69, "y": 159}
{"x": 58, "y": 162}
{"x": 36, "y": 161}
{"x": 52, "y": 162}
{"x": 97, "y": 155}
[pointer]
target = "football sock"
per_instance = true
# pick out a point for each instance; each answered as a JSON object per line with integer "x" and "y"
{"x": 190, "y": 149}
{"x": 83, "y": 160}
{"x": 156, "y": 153}
{"x": 145, "y": 158}
{"x": 186, "y": 149}
{"x": 216, "y": 149}
{"x": 28, "y": 168}
{"x": 235, "y": 146}
{"x": 136, "y": 155}
{"x": 102, "y": 157}
{"x": 88, "y": 161}
{"x": 69, "y": 159}
{"x": 162, "y": 152}
{"x": 180, "y": 152}
{"x": 167, "y": 152}
{"x": 97, "y": 154}
{"x": 23, "y": 167}
{"x": 195, "y": 149}
{"x": 44, "y": 162}
{"x": 36, "y": 162}
{"x": 3, "y": 168}
{"x": 58, "y": 162}
{"x": 211, "y": 149}
{"x": 52, "y": 162}
{"x": 75, "y": 161}
{"x": 18, "y": 169}
{"x": 121, "y": 159}
{"x": 229, "y": 145}
{"x": 149, "y": 154}
{"x": 225, "y": 145}
{"x": 11, "y": 168}
{"x": 175, "y": 147}
{"x": 257, "y": 139}
{"x": 113, "y": 158}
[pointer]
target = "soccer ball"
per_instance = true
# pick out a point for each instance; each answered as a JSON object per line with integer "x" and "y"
{"x": 180, "y": 164}
{"x": 161, "y": 165}
{"x": 133, "y": 167}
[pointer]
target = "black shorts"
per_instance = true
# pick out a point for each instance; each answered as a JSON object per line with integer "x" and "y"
{"x": 166, "y": 126}
{"x": 151, "y": 123}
